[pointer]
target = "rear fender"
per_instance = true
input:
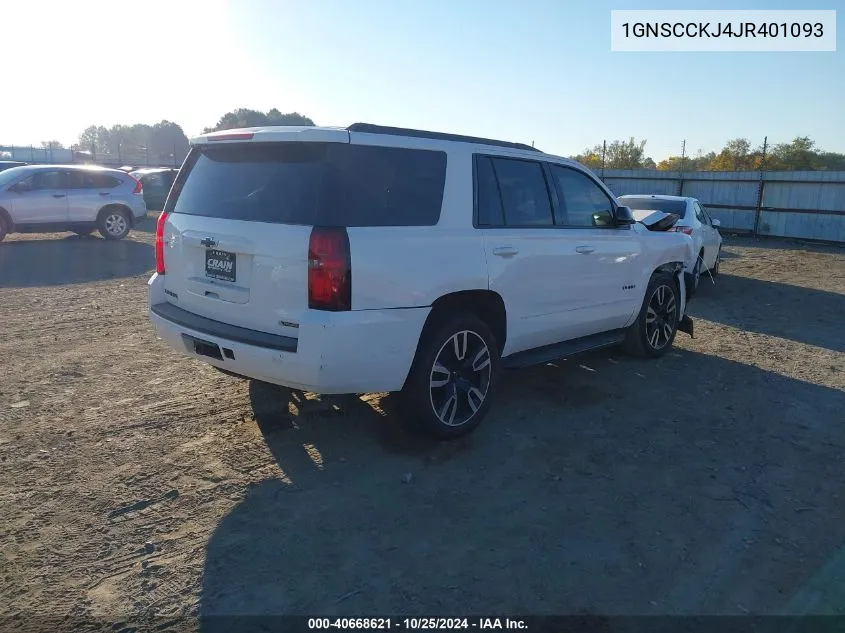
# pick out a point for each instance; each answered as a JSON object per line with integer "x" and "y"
{"x": 676, "y": 269}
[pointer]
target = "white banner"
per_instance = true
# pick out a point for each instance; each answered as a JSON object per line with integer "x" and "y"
{"x": 723, "y": 30}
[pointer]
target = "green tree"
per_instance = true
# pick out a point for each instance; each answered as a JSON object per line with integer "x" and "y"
{"x": 800, "y": 154}
{"x": 628, "y": 154}
{"x": 164, "y": 143}
{"x": 244, "y": 117}
{"x": 48, "y": 145}
{"x": 832, "y": 161}
{"x": 699, "y": 162}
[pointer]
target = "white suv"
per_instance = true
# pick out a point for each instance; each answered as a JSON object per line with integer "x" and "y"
{"x": 47, "y": 198}
{"x": 376, "y": 259}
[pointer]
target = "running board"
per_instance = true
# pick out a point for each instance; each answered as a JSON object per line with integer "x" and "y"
{"x": 548, "y": 353}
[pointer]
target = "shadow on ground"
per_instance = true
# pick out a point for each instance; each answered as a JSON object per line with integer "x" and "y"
{"x": 73, "y": 260}
{"x": 805, "y": 315}
{"x": 781, "y": 244}
{"x": 589, "y": 489}
{"x": 148, "y": 224}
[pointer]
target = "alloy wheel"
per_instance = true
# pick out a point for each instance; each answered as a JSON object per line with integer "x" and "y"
{"x": 460, "y": 378}
{"x": 115, "y": 224}
{"x": 661, "y": 317}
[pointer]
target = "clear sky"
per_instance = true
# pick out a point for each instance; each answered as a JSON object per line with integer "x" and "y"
{"x": 527, "y": 70}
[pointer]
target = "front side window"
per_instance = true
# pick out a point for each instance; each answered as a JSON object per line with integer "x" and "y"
{"x": 582, "y": 203}
{"x": 525, "y": 197}
{"x": 49, "y": 180}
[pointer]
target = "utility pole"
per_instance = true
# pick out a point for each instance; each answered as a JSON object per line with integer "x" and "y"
{"x": 760, "y": 186}
{"x": 683, "y": 165}
{"x": 603, "y": 154}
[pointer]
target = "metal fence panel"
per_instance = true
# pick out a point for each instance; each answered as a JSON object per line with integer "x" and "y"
{"x": 807, "y": 205}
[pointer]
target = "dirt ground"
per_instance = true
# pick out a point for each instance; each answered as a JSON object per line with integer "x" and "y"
{"x": 134, "y": 480}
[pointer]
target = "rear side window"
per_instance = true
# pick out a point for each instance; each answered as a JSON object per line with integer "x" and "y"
{"x": 487, "y": 194}
{"x": 92, "y": 180}
{"x": 525, "y": 197}
{"x": 327, "y": 184}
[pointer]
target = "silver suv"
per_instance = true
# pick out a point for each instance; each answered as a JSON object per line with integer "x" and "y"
{"x": 48, "y": 198}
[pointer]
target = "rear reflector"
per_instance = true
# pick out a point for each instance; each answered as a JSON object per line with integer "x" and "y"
{"x": 242, "y": 136}
{"x": 329, "y": 270}
{"x": 160, "y": 242}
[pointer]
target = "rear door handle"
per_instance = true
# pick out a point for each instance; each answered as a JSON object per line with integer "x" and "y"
{"x": 505, "y": 251}
{"x": 58, "y": 195}
{"x": 105, "y": 193}
{"x": 584, "y": 250}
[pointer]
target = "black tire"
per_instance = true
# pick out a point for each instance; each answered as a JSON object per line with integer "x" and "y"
{"x": 639, "y": 339}
{"x": 468, "y": 376}
{"x": 694, "y": 279}
{"x": 715, "y": 270}
{"x": 114, "y": 223}
{"x": 4, "y": 228}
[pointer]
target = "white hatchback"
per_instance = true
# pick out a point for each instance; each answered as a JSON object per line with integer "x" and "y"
{"x": 695, "y": 221}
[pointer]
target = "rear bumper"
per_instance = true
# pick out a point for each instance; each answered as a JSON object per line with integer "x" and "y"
{"x": 361, "y": 351}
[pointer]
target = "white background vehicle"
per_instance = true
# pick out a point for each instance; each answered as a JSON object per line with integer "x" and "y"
{"x": 47, "y": 198}
{"x": 372, "y": 259}
{"x": 694, "y": 221}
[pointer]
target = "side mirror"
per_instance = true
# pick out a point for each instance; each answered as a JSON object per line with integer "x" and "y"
{"x": 624, "y": 216}
{"x": 716, "y": 223}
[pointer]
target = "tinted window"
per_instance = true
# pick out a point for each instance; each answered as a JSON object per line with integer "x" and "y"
{"x": 699, "y": 213}
{"x": 49, "y": 180}
{"x": 155, "y": 181}
{"x": 92, "y": 180}
{"x": 580, "y": 197}
{"x": 487, "y": 194}
{"x": 524, "y": 193}
{"x": 330, "y": 184}
{"x": 655, "y": 204}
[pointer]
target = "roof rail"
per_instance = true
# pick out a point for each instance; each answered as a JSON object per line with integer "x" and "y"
{"x": 370, "y": 128}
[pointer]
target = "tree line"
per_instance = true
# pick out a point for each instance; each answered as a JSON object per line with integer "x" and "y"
{"x": 163, "y": 143}
{"x": 166, "y": 143}
{"x": 801, "y": 154}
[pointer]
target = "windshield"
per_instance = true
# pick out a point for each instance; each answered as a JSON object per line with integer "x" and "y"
{"x": 8, "y": 176}
{"x": 655, "y": 204}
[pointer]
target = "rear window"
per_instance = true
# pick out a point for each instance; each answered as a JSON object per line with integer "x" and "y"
{"x": 655, "y": 204}
{"x": 328, "y": 184}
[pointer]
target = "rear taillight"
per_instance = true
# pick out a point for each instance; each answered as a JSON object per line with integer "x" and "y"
{"x": 329, "y": 270}
{"x": 681, "y": 229}
{"x": 160, "y": 242}
{"x": 139, "y": 186}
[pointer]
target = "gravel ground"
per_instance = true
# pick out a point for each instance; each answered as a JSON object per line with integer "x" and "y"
{"x": 134, "y": 480}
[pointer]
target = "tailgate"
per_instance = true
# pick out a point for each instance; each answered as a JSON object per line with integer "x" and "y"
{"x": 249, "y": 274}
{"x": 237, "y": 230}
